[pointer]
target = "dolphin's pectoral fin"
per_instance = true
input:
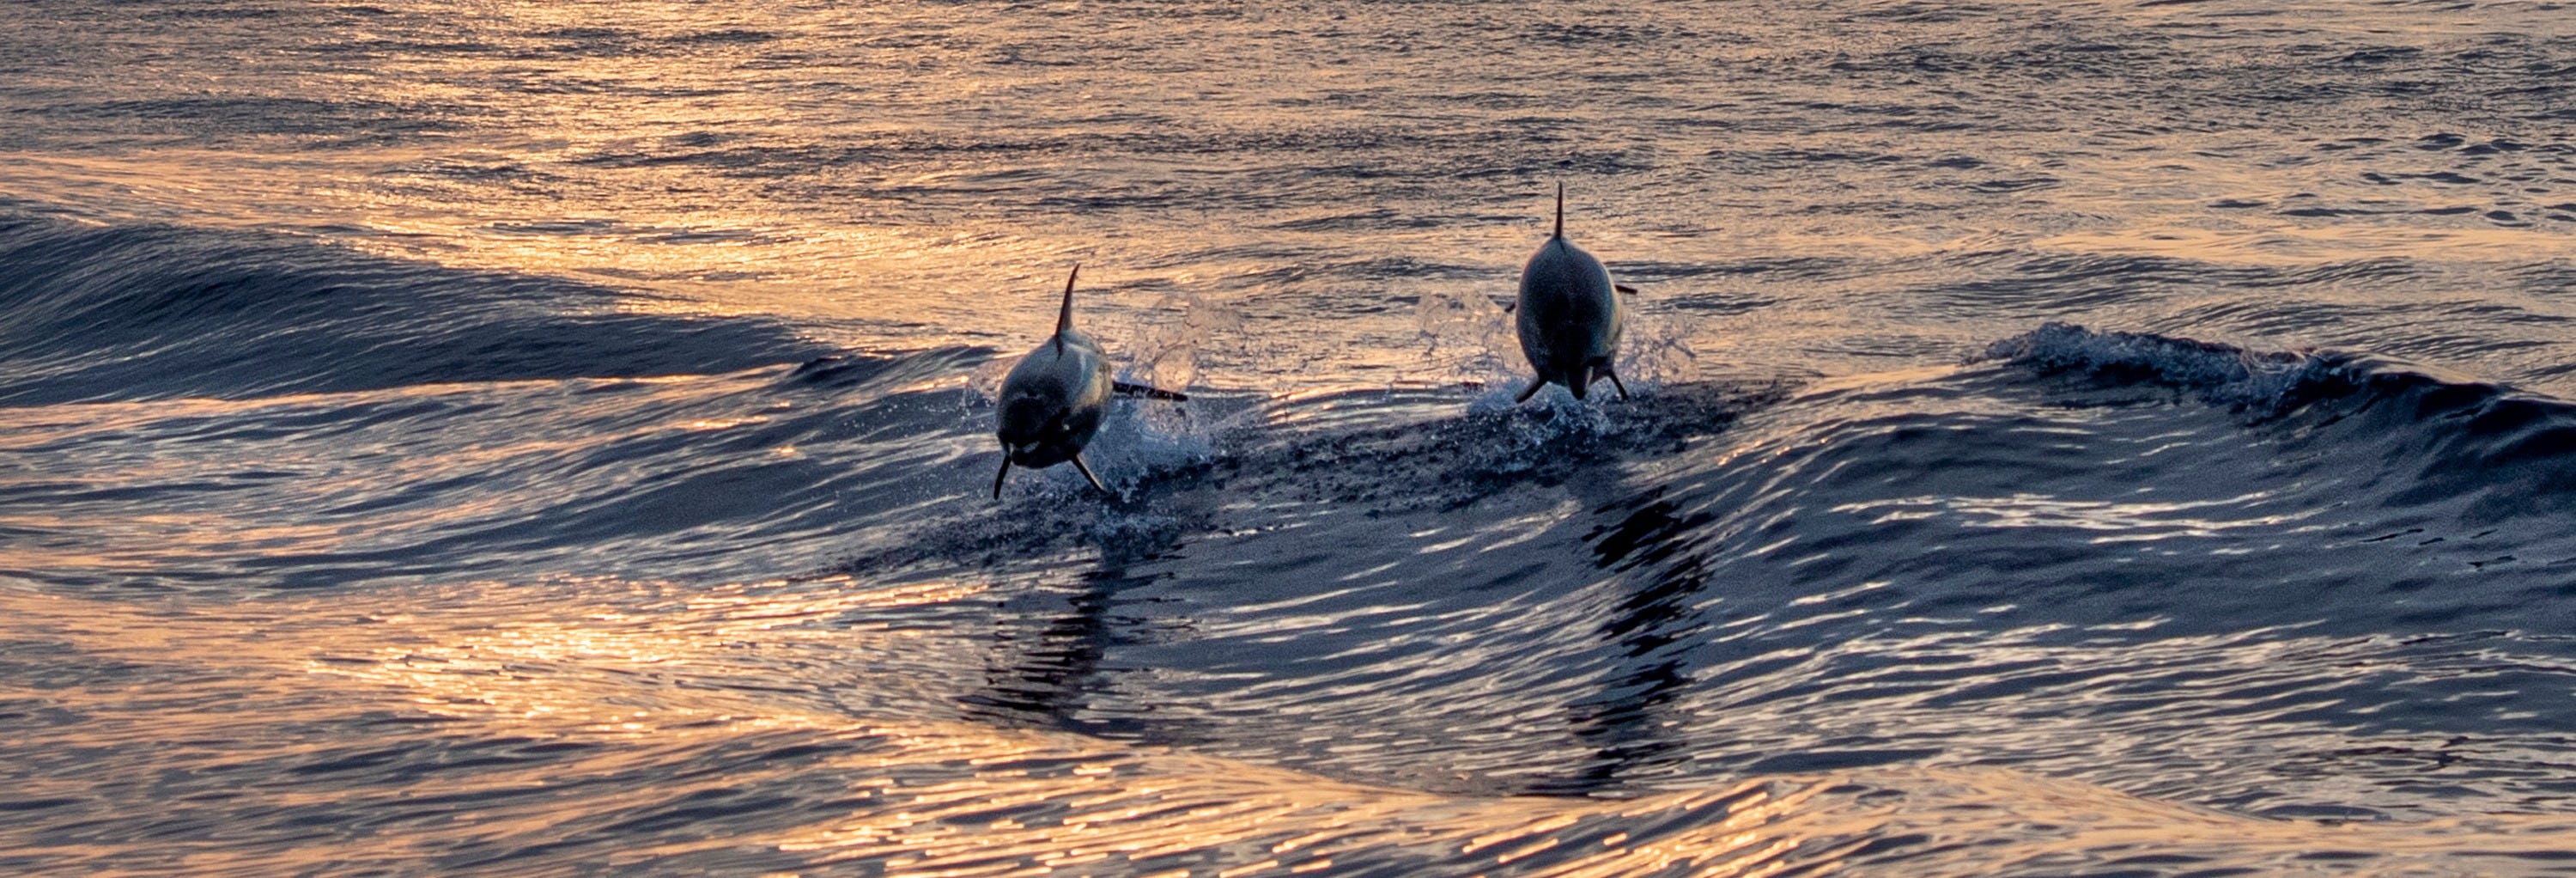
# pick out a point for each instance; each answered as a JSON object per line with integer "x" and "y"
{"x": 1535, "y": 385}
{"x": 997, "y": 477}
{"x": 1086, "y": 473}
{"x": 1615, "y": 382}
{"x": 1147, "y": 392}
{"x": 1624, "y": 288}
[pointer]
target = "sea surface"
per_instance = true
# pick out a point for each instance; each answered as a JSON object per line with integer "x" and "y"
{"x": 528, "y": 439}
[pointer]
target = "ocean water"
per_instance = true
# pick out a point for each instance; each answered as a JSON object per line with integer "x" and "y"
{"x": 2071, "y": 438}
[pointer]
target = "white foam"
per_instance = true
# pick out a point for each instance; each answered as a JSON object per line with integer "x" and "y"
{"x": 2223, "y": 374}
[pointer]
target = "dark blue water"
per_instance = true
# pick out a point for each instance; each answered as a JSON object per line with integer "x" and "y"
{"x": 2070, "y": 439}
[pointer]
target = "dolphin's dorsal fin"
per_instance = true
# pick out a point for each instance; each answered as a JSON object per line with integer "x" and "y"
{"x": 1064, "y": 318}
{"x": 1560, "y": 210}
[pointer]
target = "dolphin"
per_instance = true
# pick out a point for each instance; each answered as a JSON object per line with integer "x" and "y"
{"x": 1054, "y": 399}
{"x": 1568, "y": 315}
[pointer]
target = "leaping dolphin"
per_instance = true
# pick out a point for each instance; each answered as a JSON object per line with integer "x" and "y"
{"x": 1054, "y": 399}
{"x": 1568, "y": 315}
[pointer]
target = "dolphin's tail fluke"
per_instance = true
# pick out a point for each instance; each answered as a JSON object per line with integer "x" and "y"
{"x": 1560, "y": 209}
{"x": 1064, "y": 318}
{"x": 997, "y": 477}
{"x": 1086, "y": 473}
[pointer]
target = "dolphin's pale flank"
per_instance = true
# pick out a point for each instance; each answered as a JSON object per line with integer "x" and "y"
{"x": 1568, "y": 315}
{"x": 1054, "y": 399}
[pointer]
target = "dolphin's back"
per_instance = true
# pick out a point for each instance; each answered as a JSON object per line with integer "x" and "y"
{"x": 1054, "y": 399}
{"x": 1568, "y": 313}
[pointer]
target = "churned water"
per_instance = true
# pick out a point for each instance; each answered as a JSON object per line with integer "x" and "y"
{"x": 2084, "y": 438}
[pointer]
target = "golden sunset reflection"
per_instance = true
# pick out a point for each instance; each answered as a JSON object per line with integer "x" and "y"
{"x": 909, "y": 166}
{"x": 945, "y": 798}
{"x": 454, "y": 437}
{"x": 349, "y": 468}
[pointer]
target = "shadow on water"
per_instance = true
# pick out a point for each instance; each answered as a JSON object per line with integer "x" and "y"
{"x": 1622, "y": 724}
{"x": 1046, "y": 659}
{"x": 1355, "y": 497}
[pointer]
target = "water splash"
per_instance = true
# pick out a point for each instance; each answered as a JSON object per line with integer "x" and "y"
{"x": 983, "y": 387}
{"x": 1171, "y": 341}
{"x": 1656, "y": 350}
{"x": 1143, "y": 438}
{"x": 1466, "y": 338}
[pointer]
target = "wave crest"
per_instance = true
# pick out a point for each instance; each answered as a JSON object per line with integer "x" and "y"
{"x": 2223, "y": 374}
{"x": 130, "y": 312}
